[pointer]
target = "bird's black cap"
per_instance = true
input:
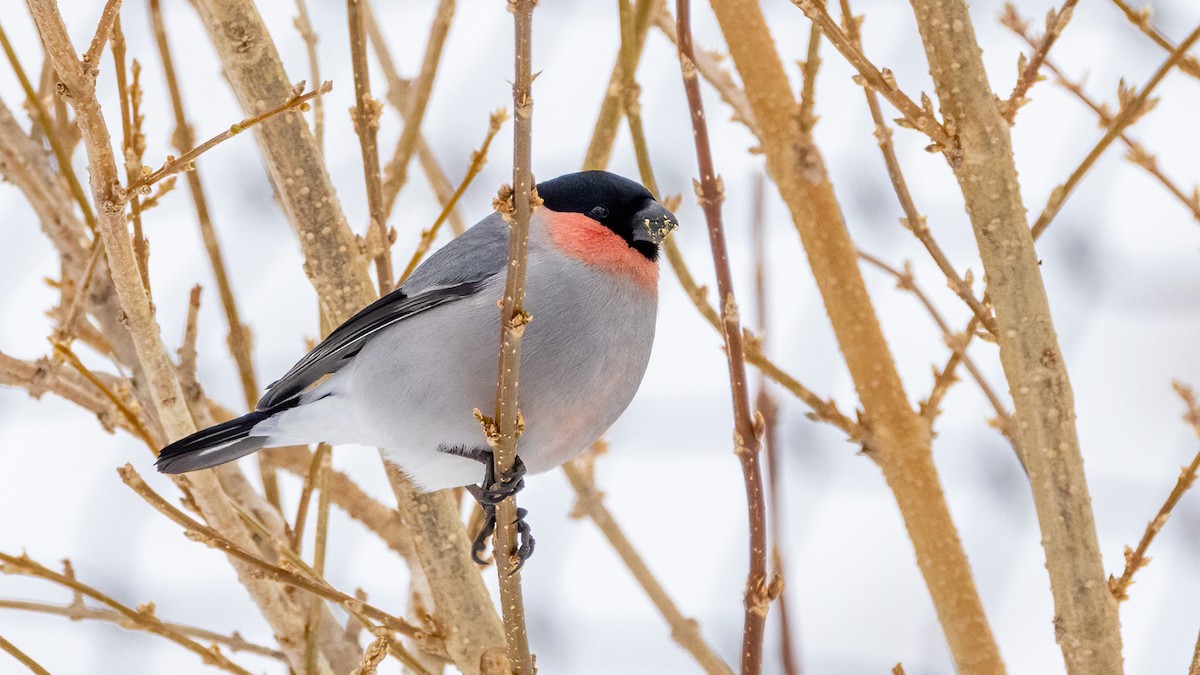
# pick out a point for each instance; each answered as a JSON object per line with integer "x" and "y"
{"x": 621, "y": 205}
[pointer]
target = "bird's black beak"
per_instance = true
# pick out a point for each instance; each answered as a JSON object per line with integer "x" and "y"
{"x": 653, "y": 223}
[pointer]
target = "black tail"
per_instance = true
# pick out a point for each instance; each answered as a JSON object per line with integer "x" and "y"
{"x": 215, "y": 445}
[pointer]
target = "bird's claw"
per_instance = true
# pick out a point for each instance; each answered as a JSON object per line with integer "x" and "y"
{"x": 524, "y": 536}
{"x": 494, "y": 490}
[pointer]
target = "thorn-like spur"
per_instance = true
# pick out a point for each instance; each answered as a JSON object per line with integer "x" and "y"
{"x": 494, "y": 490}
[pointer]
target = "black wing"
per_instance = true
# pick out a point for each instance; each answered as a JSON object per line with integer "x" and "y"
{"x": 347, "y": 339}
{"x": 457, "y": 270}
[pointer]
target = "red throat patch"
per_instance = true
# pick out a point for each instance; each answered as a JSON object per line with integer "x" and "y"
{"x": 587, "y": 240}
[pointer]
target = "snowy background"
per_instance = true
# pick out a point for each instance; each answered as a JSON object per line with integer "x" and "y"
{"x": 1120, "y": 264}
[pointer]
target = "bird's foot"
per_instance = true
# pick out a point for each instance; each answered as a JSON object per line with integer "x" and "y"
{"x": 494, "y": 490}
{"x": 524, "y": 537}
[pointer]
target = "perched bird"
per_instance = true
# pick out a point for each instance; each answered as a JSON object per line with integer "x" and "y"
{"x": 406, "y": 372}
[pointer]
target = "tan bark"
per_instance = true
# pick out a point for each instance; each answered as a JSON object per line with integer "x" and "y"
{"x": 900, "y": 437}
{"x": 337, "y": 270}
{"x": 273, "y": 600}
{"x": 1086, "y": 622}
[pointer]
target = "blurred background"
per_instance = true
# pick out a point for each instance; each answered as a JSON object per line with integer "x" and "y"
{"x": 1121, "y": 264}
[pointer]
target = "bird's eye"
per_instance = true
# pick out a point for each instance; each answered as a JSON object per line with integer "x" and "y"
{"x": 599, "y": 213}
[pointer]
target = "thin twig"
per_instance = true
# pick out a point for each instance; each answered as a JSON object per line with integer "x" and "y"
{"x": 1130, "y": 112}
{"x": 765, "y": 403}
{"x": 109, "y": 18}
{"x": 298, "y": 100}
{"x": 314, "y": 68}
{"x": 61, "y": 154}
{"x": 478, "y": 159}
{"x": 808, "y": 75}
{"x": 1135, "y": 559}
{"x": 204, "y": 534}
{"x": 77, "y": 611}
{"x": 366, "y": 124}
{"x": 320, "y": 543}
{"x": 503, "y": 433}
{"x": 1029, "y": 67}
{"x": 143, "y": 616}
{"x": 1137, "y": 153}
{"x": 747, "y": 427}
{"x": 397, "y": 96}
{"x": 21, "y": 656}
{"x": 310, "y": 483}
{"x": 590, "y": 502}
{"x": 83, "y": 370}
{"x": 1141, "y": 19}
{"x": 604, "y": 133}
{"x": 396, "y": 172}
{"x": 133, "y": 146}
{"x": 913, "y": 220}
{"x": 907, "y": 282}
{"x": 916, "y": 117}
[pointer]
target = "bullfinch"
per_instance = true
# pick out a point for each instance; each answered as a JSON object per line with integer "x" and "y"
{"x": 406, "y": 372}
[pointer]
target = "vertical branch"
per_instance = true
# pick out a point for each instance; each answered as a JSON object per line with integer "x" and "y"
{"x": 255, "y": 71}
{"x": 239, "y": 339}
{"x": 899, "y": 439}
{"x": 396, "y": 172}
{"x": 766, "y": 406}
{"x": 616, "y": 94}
{"x": 513, "y": 318}
{"x": 314, "y": 68}
{"x": 366, "y": 125}
{"x": 747, "y": 428}
{"x": 1086, "y": 620}
{"x": 590, "y": 501}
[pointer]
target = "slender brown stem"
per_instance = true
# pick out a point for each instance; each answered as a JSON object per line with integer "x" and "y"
{"x": 61, "y": 154}
{"x": 204, "y": 534}
{"x": 919, "y": 117}
{"x": 1135, "y": 559}
{"x": 685, "y": 631}
{"x": 604, "y": 134}
{"x": 913, "y": 220}
{"x": 26, "y": 566}
{"x": 366, "y": 125}
{"x": 1130, "y": 113}
{"x": 77, "y": 611}
{"x": 1137, "y": 152}
{"x": 314, "y": 68}
{"x": 397, "y": 97}
{"x": 907, "y": 282}
{"x": 764, "y": 402}
{"x": 478, "y": 159}
{"x": 747, "y": 428}
{"x": 396, "y": 172}
{"x": 1055, "y": 23}
{"x": 297, "y": 100}
{"x": 899, "y": 439}
{"x": 1141, "y": 19}
{"x": 503, "y": 433}
{"x": 109, "y": 17}
{"x": 133, "y": 144}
